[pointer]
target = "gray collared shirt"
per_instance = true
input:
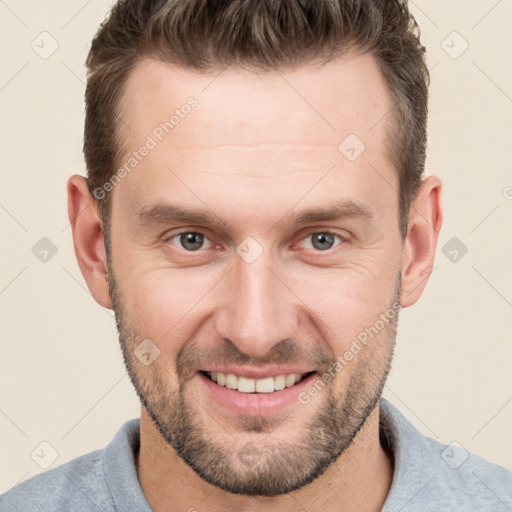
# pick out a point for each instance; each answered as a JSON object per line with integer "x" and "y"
{"x": 428, "y": 476}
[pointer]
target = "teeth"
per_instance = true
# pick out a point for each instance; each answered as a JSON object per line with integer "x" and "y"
{"x": 264, "y": 385}
{"x": 279, "y": 382}
{"x": 290, "y": 380}
{"x": 246, "y": 385}
{"x": 231, "y": 381}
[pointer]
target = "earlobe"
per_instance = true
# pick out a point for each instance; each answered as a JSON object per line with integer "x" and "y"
{"x": 425, "y": 219}
{"x": 88, "y": 239}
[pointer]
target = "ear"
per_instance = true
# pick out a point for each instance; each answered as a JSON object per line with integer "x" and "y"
{"x": 425, "y": 219}
{"x": 88, "y": 239}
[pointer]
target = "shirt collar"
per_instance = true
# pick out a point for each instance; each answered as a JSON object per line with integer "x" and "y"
{"x": 415, "y": 463}
{"x": 119, "y": 466}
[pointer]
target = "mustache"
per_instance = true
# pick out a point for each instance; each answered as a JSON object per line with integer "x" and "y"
{"x": 193, "y": 356}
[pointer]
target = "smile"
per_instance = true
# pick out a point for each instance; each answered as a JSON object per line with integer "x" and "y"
{"x": 248, "y": 385}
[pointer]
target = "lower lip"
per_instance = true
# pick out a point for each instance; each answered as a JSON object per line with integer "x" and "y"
{"x": 254, "y": 404}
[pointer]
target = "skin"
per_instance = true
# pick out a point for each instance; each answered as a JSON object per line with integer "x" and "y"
{"x": 253, "y": 152}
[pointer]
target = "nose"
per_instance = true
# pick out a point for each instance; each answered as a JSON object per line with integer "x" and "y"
{"x": 258, "y": 310}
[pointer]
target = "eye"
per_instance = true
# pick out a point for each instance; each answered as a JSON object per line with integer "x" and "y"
{"x": 322, "y": 240}
{"x": 189, "y": 240}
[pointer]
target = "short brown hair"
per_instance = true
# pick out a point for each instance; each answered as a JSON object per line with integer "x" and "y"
{"x": 206, "y": 35}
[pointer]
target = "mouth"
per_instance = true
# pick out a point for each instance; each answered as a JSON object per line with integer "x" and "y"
{"x": 250, "y": 396}
{"x": 267, "y": 385}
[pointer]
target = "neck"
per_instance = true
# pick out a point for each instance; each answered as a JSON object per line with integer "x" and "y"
{"x": 359, "y": 480}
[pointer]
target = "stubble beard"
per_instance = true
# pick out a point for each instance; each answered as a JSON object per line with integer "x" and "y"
{"x": 235, "y": 463}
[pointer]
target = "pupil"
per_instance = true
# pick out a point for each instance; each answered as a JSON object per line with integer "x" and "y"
{"x": 191, "y": 241}
{"x": 323, "y": 241}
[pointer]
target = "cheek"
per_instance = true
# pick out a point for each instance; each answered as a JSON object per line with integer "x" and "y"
{"x": 166, "y": 304}
{"x": 346, "y": 302}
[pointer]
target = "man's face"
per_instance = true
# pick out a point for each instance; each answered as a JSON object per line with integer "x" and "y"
{"x": 256, "y": 290}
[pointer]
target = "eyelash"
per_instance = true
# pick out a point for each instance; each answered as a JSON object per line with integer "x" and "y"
{"x": 341, "y": 239}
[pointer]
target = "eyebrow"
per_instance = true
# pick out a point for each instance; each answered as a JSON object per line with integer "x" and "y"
{"x": 165, "y": 213}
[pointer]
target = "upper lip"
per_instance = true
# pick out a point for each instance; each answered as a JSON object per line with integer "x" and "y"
{"x": 257, "y": 373}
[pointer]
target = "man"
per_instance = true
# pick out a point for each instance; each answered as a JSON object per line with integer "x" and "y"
{"x": 256, "y": 215}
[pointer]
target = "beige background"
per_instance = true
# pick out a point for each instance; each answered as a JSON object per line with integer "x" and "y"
{"x": 62, "y": 376}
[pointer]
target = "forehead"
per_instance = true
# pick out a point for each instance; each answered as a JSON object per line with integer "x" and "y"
{"x": 347, "y": 95}
{"x": 273, "y": 132}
